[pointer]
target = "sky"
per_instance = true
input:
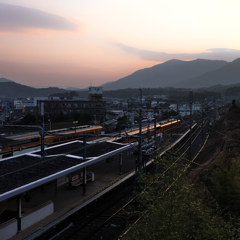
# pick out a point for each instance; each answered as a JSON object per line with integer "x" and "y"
{"x": 78, "y": 43}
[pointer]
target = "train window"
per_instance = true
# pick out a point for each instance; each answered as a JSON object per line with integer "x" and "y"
{"x": 56, "y": 140}
{"x": 69, "y": 137}
{"x": 35, "y": 139}
{"x": 62, "y": 139}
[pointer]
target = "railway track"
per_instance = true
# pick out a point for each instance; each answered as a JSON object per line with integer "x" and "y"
{"x": 100, "y": 227}
{"x": 84, "y": 224}
{"x": 183, "y": 151}
{"x": 101, "y": 219}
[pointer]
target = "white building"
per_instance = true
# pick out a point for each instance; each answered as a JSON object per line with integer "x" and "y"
{"x": 184, "y": 109}
{"x": 114, "y": 114}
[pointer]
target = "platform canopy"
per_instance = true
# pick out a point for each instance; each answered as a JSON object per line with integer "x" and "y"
{"x": 24, "y": 172}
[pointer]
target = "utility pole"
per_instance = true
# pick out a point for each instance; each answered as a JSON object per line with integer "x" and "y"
{"x": 50, "y": 124}
{"x": 190, "y": 138}
{"x": 216, "y": 108}
{"x": 148, "y": 122}
{"x": 42, "y": 131}
{"x": 202, "y": 122}
{"x": 177, "y": 118}
{"x": 140, "y": 131}
{"x": 84, "y": 159}
{"x": 155, "y": 127}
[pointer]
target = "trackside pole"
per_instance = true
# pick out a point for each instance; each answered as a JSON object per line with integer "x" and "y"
{"x": 42, "y": 130}
{"x": 202, "y": 123}
{"x": 190, "y": 138}
{"x": 84, "y": 169}
{"x": 120, "y": 163}
{"x": 19, "y": 212}
{"x": 140, "y": 131}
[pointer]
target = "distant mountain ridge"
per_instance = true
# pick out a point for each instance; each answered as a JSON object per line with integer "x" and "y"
{"x": 5, "y": 80}
{"x": 226, "y": 75}
{"x": 166, "y": 74}
{"x": 198, "y": 73}
{"x": 15, "y": 90}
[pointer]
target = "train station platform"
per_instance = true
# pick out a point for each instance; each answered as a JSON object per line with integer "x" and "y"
{"x": 65, "y": 200}
{"x": 58, "y": 201}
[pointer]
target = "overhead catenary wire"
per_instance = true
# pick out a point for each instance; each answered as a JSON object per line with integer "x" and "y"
{"x": 55, "y": 157}
{"x": 167, "y": 189}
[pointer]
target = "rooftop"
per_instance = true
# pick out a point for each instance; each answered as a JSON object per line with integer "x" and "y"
{"x": 24, "y": 172}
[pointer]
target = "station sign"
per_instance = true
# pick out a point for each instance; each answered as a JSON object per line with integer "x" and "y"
{"x": 95, "y": 90}
{"x": 74, "y": 178}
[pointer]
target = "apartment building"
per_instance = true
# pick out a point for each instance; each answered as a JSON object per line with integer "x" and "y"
{"x": 73, "y": 106}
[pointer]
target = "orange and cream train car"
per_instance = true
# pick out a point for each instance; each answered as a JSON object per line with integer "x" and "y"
{"x": 148, "y": 131}
{"x": 19, "y": 142}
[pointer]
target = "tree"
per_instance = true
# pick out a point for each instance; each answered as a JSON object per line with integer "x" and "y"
{"x": 121, "y": 122}
{"x": 226, "y": 185}
{"x": 168, "y": 114}
{"x": 174, "y": 209}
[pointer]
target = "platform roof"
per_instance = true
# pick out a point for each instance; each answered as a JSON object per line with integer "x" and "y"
{"x": 24, "y": 172}
{"x": 76, "y": 148}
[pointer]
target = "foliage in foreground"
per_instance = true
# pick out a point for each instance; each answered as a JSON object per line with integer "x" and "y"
{"x": 180, "y": 212}
{"x": 226, "y": 185}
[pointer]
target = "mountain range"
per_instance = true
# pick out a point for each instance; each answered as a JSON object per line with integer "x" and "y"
{"x": 198, "y": 73}
{"x": 167, "y": 74}
{"x": 9, "y": 88}
{"x": 5, "y": 80}
{"x": 226, "y": 75}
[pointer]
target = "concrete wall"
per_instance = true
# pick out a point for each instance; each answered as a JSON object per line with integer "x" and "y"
{"x": 8, "y": 229}
{"x": 37, "y": 214}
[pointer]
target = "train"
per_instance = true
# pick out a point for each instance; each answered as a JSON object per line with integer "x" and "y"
{"x": 148, "y": 131}
{"x": 20, "y": 142}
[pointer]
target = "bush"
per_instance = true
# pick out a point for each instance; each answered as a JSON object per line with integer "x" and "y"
{"x": 178, "y": 212}
{"x": 226, "y": 185}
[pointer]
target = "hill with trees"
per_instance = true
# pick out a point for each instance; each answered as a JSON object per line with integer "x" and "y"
{"x": 226, "y": 75}
{"x": 166, "y": 74}
{"x": 197, "y": 202}
{"x": 14, "y": 90}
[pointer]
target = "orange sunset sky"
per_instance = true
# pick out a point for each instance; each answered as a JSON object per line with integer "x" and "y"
{"x": 72, "y": 43}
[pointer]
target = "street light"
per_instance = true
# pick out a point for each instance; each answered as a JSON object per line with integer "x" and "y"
{"x": 50, "y": 123}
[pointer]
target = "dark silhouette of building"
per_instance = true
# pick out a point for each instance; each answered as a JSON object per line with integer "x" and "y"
{"x": 73, "y": 106}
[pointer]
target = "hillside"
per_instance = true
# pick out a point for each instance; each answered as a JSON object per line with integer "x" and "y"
{"x": 14, "y": 90}
{"x": 202, "y": 200}
{"x": 5, "y": 80}
{"x": 228, "y": 74}
{"x": 165, "y": 74}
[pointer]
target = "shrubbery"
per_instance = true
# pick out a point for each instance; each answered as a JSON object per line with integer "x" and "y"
{"x": 178, "y": 210}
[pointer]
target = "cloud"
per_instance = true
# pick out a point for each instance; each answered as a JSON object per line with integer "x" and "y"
{"x": 17, "y": 18}
{"x": 214, "y": 54}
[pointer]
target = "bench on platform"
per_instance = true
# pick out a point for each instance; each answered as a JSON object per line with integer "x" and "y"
{"x": 74, "y": 184}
